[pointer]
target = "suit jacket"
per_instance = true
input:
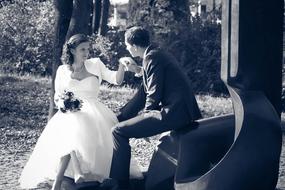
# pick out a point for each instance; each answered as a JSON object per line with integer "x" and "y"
{"x": 165, "y": 89}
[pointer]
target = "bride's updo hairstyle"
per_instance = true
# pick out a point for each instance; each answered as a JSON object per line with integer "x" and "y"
{"x": 72, "y": 43}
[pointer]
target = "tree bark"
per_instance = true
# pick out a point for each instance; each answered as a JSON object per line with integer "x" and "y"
{"x": 81, "y": 18}
{"x": 104, "y": 17}
{"x": 63, "y": 11}
{"x": 96, "y": 15}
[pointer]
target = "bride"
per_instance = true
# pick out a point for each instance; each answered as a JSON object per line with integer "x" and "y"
{"x": 77, "y": 144}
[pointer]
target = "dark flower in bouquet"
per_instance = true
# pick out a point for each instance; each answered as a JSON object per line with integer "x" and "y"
{"x": 67, "y": 102}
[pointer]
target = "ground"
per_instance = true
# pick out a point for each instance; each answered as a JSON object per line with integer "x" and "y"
{"x": 14, "y": 155}
{"x": 23, "y": 114}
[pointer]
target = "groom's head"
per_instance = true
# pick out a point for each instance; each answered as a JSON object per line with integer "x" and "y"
{"x": 137, "y": 40}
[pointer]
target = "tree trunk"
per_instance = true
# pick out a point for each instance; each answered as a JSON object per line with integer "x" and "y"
{"x": 96, "y": 15}
{"x": 81, "y": 18}
{"x": 104, "y": 17}
{"x": 63, "y": 11}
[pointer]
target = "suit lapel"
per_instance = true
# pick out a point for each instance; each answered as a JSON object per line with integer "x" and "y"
{"x": 144, "y": 81}
{"x": 148, "y": 49}
{"x": 145, "y": 64}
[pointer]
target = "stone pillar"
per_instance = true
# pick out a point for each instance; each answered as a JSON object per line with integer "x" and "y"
{"x": 251, "y": 69}
{"x": 252, "y": 47}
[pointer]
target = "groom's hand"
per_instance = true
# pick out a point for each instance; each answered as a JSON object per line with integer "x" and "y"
{"x": 130, "y": 65}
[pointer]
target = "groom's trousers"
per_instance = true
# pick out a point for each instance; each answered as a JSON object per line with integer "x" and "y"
{"x": 143, "y": 125}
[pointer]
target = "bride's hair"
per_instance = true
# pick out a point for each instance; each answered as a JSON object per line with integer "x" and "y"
{"x": 72, "y": 43}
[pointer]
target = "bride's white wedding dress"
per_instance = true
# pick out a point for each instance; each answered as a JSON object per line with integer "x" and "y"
{"x": 87, "y": 133}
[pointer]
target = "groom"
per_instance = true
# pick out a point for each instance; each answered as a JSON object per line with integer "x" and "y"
{"x": 165, "y": 99}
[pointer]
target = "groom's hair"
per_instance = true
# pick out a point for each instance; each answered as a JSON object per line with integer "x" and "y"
{"x": 137, "y": 35}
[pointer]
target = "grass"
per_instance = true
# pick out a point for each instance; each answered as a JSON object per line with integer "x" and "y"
{"x": 24, "y": 103}
{"x": 25, "y": 100}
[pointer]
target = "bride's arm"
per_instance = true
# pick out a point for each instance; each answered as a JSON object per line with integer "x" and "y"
{"x": 111, "y": 76}
{"x": 58, "y": 86}
{"x": 120, "y": 74}
{"x": 98, "y": 68}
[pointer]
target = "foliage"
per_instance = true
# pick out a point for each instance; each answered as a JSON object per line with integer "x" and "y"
{"x": 283, "y": 100}
{"x": 110, "y": 48}
{"x": 28, "y": 34}
{"x": 283, "y": 83}
{"x": 26, "y": 40}
{"x": 166, "y": 20}
{"x": 202, "y": 56}
{"x": 196, "y": 42}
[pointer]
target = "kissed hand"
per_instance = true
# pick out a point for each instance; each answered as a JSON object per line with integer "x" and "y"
{"x": 130, "y": 64}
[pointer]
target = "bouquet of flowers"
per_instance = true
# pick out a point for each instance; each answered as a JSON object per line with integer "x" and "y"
{"x": 67, "y": 102}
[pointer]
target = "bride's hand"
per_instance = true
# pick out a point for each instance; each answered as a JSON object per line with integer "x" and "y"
{"x": 130, "y": 64}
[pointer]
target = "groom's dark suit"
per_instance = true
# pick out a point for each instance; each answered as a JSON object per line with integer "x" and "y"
{"x": 167, "y": 103}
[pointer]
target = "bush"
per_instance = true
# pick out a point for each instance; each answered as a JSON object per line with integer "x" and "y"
{"x": 196, "y": 45}
{"x": 283, "y": 100}
{"x": 28, "y": 32}
{"x": 26, "y": 38}
{"x": 110, "y": 48}
{"x": 195, "y": 41}
{"x": 201, "y": 56}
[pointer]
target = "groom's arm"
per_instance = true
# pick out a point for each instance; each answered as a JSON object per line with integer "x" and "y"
{"x": 155, "y": 80}
{"x": 132, "y": 108}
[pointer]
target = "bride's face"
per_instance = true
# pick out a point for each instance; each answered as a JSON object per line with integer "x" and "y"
{"x": 81, "y": 52}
